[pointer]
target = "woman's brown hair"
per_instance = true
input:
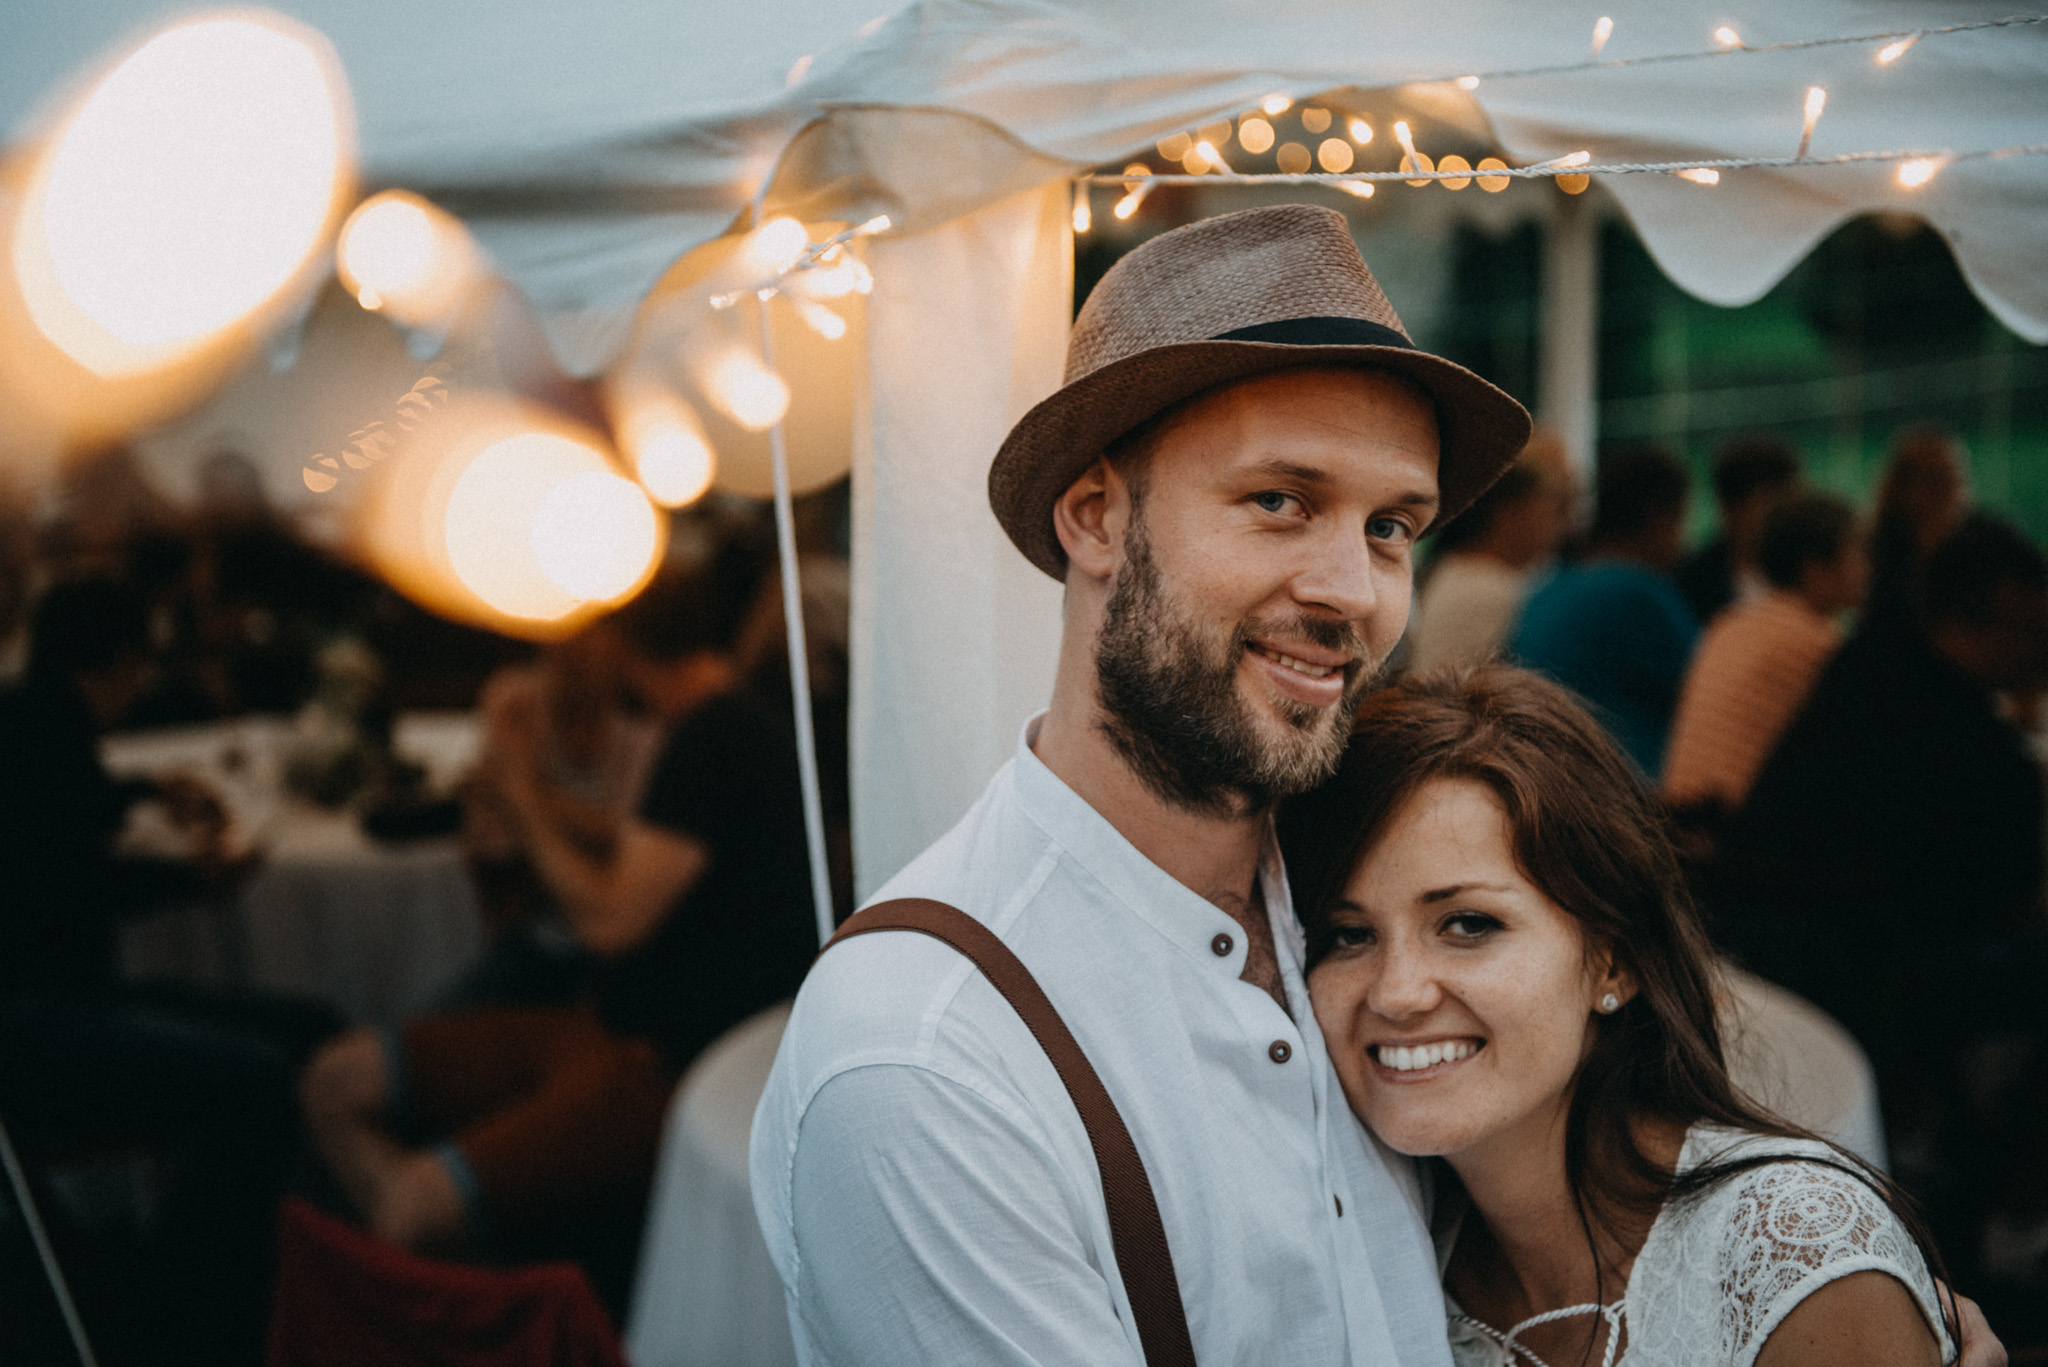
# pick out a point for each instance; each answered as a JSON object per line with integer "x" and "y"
{"x": 1588, "y": 833}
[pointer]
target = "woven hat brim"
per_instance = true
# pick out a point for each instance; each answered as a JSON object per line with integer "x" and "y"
{"x": 1480, "y": 428}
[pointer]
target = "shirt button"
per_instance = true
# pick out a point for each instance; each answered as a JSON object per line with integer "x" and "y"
{"x": 1222, "y": 944}
{"x": 1280, "y": 1051}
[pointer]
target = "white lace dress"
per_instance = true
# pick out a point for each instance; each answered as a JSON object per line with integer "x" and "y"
{"x": 1722, "y": 1269}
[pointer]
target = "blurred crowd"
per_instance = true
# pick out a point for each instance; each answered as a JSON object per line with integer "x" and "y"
{"x": 633, "y": 828}
{"x": 1842, "y": 708}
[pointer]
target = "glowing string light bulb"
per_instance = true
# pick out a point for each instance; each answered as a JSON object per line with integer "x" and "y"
{"x": 1891, "y": 52}
{"x": 594, "y": 535}
{"x": 1361, "y": 132}
{"x": 1276, "y": 105}
{"x": 1411, "y": 160}
{"x": 184, "y": 193}
{"x": 1700, "y": 175}
{"x": 1727, "y": 37}
{"x": 406, "y": 258}
{"x": 1358, "y": 189}
{"x": 1816, "y": 101}
{"x": 1084, "y": 218}
{"x": 775, "y": 246}
{"x": 817, "y": 317}
{"x": 1467, "y": 83}
{"x": 1917, "y": 172}
{"x": 1137, "y": 185}
{"x": 1493, "y": 185}
{"x": 670, "y": 452}
{"x": 1603, "y": 29}
{"x": 749, "y": 392}
{"x": 1207, "y": 151}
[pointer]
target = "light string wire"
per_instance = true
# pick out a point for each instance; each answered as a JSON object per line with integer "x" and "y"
{"x": 1560, "y": 167}
{"x": 1730, "y": 50}
{"x": 812, "y": 256}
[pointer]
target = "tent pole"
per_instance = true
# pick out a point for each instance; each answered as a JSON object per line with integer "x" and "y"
{"x": 1567, "y": 393}
{"x": 799, "y": 660}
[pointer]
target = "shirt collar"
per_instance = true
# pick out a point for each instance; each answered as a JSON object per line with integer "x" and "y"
{"x": 1155, "y": 896}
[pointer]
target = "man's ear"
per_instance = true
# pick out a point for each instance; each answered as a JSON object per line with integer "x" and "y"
{"x": 1089, "y": 519}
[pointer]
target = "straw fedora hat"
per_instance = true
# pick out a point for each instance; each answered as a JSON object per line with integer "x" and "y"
{"x": 1220, "y": 300}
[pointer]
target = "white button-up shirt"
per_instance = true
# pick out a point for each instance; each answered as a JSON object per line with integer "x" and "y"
{"x": 925, "y": 1185}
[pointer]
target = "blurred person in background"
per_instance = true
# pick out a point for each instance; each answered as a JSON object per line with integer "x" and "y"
{"x": 1486, "y": 561}
{"x": 1923, "y": 494}
{"x": 198, "y": 1083}
{"x": 1759, "y": 659}
{"x": 1612, "y": 627}
{"x": 1750, "y": 475}
{"x": 533, "y": 1132}
{"x": 1889, "y": 863}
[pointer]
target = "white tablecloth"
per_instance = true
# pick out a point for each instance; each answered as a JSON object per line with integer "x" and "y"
{"x": 707, "y": 1295}
{"x": 375, "y": 929}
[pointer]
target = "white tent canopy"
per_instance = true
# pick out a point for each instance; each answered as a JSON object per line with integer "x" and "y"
{"x": 589, "y": 147}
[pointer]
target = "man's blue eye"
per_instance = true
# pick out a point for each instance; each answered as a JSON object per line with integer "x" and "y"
{"x": 1273, "y": 502}
{"x": 1388, "y": 528}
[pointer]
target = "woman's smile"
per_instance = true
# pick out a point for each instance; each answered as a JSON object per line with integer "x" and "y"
{"x": 1422, "y": 1060}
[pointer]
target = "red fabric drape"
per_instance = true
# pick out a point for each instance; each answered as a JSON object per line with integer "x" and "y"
{"x": 348, "y": 1299}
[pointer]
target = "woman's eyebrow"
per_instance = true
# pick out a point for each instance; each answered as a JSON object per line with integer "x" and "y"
{"x": 1443, "y": 894}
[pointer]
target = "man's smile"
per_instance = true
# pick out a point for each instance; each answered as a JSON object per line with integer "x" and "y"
{"x": 1304, "y": 674}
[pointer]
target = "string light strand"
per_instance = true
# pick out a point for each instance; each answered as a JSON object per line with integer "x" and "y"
{"x": 1729, "y": 50}
{"x": 814, "y": 255}
{"x": 1565, "y": 167}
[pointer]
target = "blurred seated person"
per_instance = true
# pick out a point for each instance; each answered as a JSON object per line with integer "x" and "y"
{"x": 1486, "y": 559}
{"x": 1900, "y": 822}
{"x": 533, "y": 1132}
{"x": 1758, "y": 660}
{"x": 564, "y": 730}
{"x": 1750, "y": 475}
{"x": 1922, "y": 495}
{"x": 201, "y": 1082}
{"x": 1612, "y": 627}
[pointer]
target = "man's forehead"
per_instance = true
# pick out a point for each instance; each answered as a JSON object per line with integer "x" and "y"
{"x": 1313, "y": 424}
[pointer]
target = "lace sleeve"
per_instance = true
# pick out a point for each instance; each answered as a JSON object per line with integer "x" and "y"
{"x": 1788, "y": 1229}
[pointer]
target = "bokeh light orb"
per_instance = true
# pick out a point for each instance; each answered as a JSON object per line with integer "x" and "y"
{"x": 675, "y": 462}
{"x": 184, "y": 192}
{"x": 594, "y": 534}
{"x": 537, "y": 525}
{"x": 402, "y": 255}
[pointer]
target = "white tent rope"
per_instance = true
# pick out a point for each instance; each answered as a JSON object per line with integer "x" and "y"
{"x": 1552, "y": 168}
{"x": 799, "y": 662}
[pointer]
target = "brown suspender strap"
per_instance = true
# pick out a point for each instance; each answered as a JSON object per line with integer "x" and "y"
{"x": 1135, "y": 1230}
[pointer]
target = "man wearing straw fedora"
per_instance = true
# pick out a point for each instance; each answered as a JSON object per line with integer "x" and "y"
{"x": 1084, "y": 1114}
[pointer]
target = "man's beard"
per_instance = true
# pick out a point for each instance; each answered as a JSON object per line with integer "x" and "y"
{"x": 1171, "y": 707}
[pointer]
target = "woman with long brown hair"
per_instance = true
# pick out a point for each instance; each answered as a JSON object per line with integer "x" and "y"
{"x": 1513, "y": 981}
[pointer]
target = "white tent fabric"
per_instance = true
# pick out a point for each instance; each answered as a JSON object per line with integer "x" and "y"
{"x": 590, "y": 146}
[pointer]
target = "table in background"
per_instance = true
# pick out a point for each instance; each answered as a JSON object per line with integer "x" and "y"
{"x": 374, "y": 928}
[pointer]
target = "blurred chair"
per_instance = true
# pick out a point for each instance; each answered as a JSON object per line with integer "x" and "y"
{"x": 1792, "y": 1057}
{"x": 707, "y": 1295}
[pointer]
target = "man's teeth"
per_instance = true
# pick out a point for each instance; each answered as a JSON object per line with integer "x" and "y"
{"x": 1403, "y": 1059}
{"x": 1298, "y": 666}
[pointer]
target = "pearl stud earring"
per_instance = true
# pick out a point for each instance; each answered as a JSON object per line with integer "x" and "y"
{"x": 1610, "y": 1004}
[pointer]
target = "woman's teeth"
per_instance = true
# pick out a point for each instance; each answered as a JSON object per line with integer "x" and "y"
{"x": 1298, "y": 666}
{"x": 1403, "y": 1059}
